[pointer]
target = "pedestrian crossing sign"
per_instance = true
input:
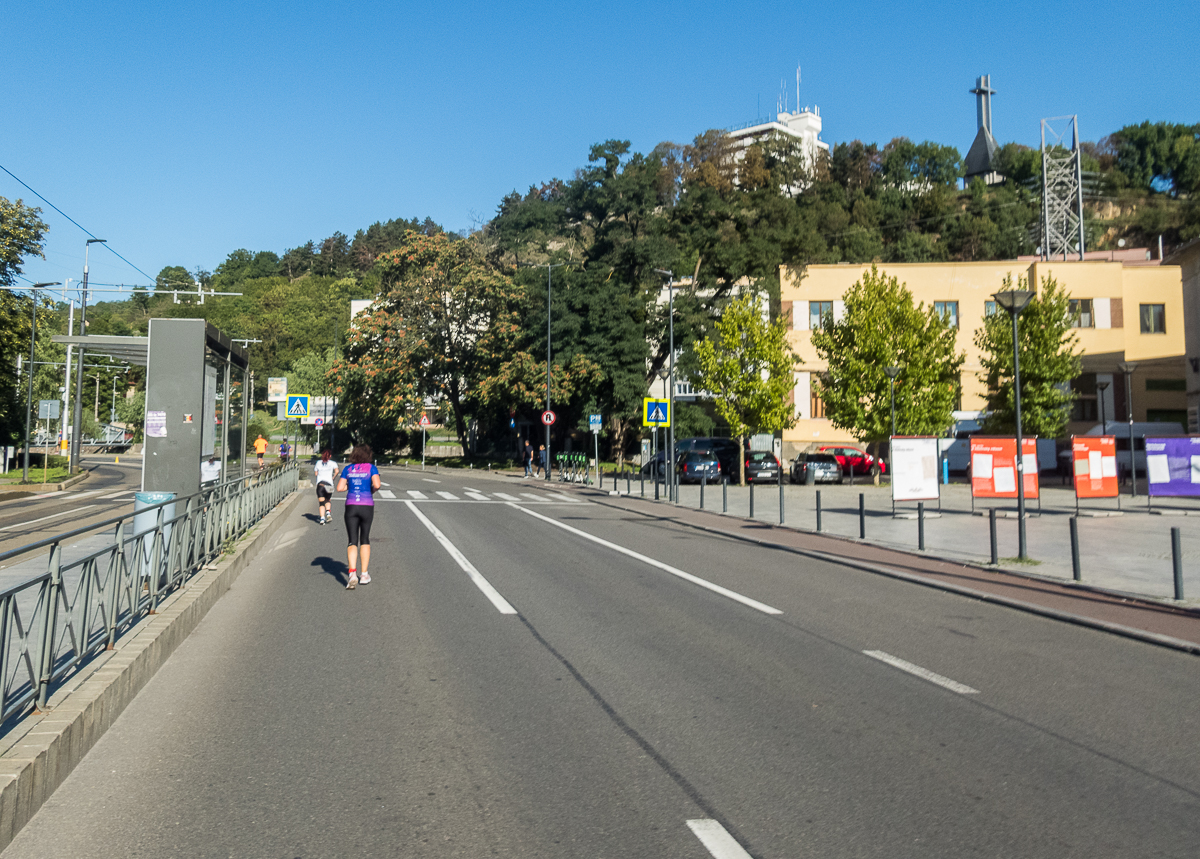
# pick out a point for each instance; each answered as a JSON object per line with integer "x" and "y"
{"x": 656, "y": 413}
{"x": 297, "y": 406}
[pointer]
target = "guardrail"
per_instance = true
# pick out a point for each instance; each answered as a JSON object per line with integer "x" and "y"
{"x": 55, "y": 622}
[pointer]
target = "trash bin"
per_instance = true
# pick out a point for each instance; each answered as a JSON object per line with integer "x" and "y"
{"x": 145, "y": 519}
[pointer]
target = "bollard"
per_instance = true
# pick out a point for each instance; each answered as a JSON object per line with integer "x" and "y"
{"x": 818, "y": 510}
{"x": 921, "y": 525}
{"x": 862, "y": 515}
{"x": 1177, "y": 561}
{"x": 780, "y": 496}
{"x": 992, "y": 529}
{"x": 642, "y": 482}
{"x": 1075, "y": 570}
{"x": 628, "y": 483}
{"x": 752, "y": 500}
{"x": 656, "y": 482}
{"x": 725, "y": 496}
{"x": 703, "y": 480}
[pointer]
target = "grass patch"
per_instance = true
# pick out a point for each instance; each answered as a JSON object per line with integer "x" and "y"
{"x": 53, "y": 475}
{"x": 1027, "y": 562}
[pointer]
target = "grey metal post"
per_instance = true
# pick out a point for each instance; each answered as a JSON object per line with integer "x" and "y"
{"x": 818, "y": 509}
{"x": 46, "y": 645}
{"x": 1127, "y": 367}
{"x": 724, "y": 496}
{"x": 921, "y": 525}
{"x": 656, "y": 475}
{"x": 116, "y": 570}
{"x": 642, "y": 482}
{"x": 703, "y": 480}
{"x": 1177, "y": 561}
{"x": 752, "y": 500}
{"x": 1021, "y": 547}
{"x": 781, "y": 494}
{"x": 1076, "y": 572}
{"x": 628, "y": 482}
{"x": 992, "y": 533}
{"x": 29, "y": 398}
{"x": 862, "y": 516}
{"x": 225, "y": 419}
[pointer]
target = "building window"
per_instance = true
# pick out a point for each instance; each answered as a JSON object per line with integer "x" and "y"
{"x": 948, "y": 310}
{"x": 989, "y": 308}
{"x": 1154, "y": 318}
{"x": 1166, "y": 384}
{"x": 1086, "y": 405}
{"x": 819, "y": 312}
{"x": 816, "y": 406}
{"x": 1081, "y": 313}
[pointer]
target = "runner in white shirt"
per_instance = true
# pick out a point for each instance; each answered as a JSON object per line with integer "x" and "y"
{"x": 325, "y": 472}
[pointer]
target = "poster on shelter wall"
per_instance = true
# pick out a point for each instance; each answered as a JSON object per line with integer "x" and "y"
{"x": 1173, "y": 466}
{"x": 156, "y": 424}
{"x": 914, "y": 468}
{"x": 994, "y": 467}
{"x": 1094, "y": 466}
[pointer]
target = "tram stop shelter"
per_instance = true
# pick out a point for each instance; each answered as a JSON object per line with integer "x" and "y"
{"x": 196, "y": 408}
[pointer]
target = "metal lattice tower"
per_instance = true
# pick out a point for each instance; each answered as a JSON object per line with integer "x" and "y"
{"x": 1062, "y": 189}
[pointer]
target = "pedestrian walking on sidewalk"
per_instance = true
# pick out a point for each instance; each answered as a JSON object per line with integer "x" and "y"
{"x": 260, "y": 448}
{"x": 360, "y": 481}
{"x": 527, "y": 459}
{"x": 325, "y": 476}
{"x": 541, "y": 460}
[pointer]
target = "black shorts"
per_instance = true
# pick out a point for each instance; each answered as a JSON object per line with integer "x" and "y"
{"x": 358, "y": 520}
{"x": 324, "y": 491}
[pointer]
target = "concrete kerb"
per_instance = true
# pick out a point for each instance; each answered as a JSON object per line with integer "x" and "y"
{"x": 984, "y": 596}
{"x": 41, "y": 750}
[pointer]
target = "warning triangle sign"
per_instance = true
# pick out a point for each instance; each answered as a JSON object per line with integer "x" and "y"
{"x": 658, "y": 415}
{"x": 298, "y": 409}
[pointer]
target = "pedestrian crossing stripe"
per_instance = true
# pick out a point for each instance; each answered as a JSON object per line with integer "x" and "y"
{"x": 297, "y": 406}
{"x": 656, "y": 413}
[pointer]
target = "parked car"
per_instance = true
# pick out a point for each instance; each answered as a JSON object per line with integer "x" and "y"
{"x": 697, "y": 466}
{"x": 761, "y": 467}
{"x": 824, "y": 466}
{"x": 853, "y": 460}
{"x": 726, "y": 450}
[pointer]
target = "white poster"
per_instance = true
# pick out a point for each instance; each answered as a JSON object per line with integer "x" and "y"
{"x": 981, "y": 466}
{"x": 915, "y": 469}
{"x": 1158, "y": 469}
{"x": 1004, "y": 479}
{"x": 277, "y": 389}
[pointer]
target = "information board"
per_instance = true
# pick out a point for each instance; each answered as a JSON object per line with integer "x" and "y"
{"x": 914, "y": 468}
{"x": 1173, "y": 465}
{"x": 323, "y": 409}
{"x": 994, "y": 467}
{"x": 277, "y": 389}
{"x": 1094, "y": 465}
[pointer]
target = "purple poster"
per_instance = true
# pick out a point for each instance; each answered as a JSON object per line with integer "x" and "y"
{"x": 1173, "y": 465}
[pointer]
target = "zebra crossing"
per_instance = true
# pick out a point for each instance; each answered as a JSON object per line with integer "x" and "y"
{"x": 468, "y": 495}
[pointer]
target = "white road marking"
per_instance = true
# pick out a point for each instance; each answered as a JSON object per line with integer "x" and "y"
{"x": 469, "y": 489}
{"x": 85, "y": 494}
{"x": 477, "y": 496}
{"x": 717, "y": 839}
{"x": 543, "y": 497}
{"x": 449, "y": 496}
{"x": 483, "y": 584}
{"x": 675, "y": 571}
{"x": 47, "y": 518}
{"x": 116, "y": 495}
{"x": 386, "y": 493}
{"x": 562, "y": 497}
{"x": 506, "y": 496}
{"x": 430, "y": 480}
{"x": 923, "y": 673}
{"x": 381, "y": 483}
{"x": 420, "y": 496}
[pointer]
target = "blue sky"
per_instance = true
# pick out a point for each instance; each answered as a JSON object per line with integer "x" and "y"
{"x": 182, "y": 131}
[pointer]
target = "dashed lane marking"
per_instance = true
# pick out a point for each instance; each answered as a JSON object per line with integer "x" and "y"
{"x": 923, "y": 673}
{"x": 502, "y": 605}
{"x": 717, "y": 839}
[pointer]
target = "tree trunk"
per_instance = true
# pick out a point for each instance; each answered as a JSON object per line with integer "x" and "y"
{"x": 741, "y": 461}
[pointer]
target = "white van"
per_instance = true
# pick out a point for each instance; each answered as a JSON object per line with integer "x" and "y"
{"x": 957, "y": 448}
{"x": 1120, "y": 431}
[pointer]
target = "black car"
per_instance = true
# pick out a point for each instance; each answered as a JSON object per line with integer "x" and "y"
{"x": 824, "y": 466}
{"x": 696, "y": 466}
{"x": 761, "y": 467}
{"x": 725, "y": 449}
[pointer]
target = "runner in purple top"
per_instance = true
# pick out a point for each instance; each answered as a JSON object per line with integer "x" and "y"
{"x": 359, "y": 480}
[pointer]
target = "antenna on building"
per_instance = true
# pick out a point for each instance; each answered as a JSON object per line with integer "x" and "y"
{"x": 1062, "y": 189}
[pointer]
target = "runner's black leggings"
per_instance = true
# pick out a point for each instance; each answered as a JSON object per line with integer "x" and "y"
{"x": 358, "y": 523}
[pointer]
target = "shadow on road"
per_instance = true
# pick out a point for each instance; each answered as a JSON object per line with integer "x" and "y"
{"x": 330, "y": 567}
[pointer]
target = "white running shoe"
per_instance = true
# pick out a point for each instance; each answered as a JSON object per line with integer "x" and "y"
{"x": 365, "y": 578}
{"x": 352, "y": 582}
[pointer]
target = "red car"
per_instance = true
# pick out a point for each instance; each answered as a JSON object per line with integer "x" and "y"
{"x": 854, "y": 459}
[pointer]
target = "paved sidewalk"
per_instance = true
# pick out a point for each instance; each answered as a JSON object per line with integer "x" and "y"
{"x": 1130, "y": 552}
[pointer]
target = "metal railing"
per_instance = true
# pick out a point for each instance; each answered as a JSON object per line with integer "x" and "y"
{"x": 54, "y": 622}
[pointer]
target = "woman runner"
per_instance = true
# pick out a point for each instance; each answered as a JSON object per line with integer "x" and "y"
{"x": 325, "y": 472}
{"x": 359, "y": 480}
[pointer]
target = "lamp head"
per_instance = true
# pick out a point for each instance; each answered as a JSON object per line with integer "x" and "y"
{"x": 93, "y": 241}
{"x": 1014, "y": 300}
{"x": 664, "y": 273}
{"x": 663, "y": 373}
{"x": 1127, "y": 366}
{"x": 891, "y": 372}
{"x": 44, "y": 285}
{"x": 1102, "y": 386}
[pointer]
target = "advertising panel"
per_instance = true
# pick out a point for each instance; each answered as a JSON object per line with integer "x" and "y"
{"x": 277, "y": 389}
{"x": 1094, "y": 461}
{"x": 994, "y": 467}
{"x": 1173, "y": 465}
{"x": 914, "y": 468}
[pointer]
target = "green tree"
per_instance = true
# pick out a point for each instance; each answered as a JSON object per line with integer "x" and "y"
{"x": 1049, "y": 361}
{"x": 747, "y": 366}
{"x": 21, "y": 236}
{"x": 882, "y": 328}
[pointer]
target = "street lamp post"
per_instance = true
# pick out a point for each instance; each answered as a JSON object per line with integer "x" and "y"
{"x": 1014, "y": 301}
{"x": 549, "y": 268}
{"x": 672, "y": 489}
{"x": 1101, "y": 387}
{"x": 892, "y": 373}
{"x": 29, "y": 372}
{"x": 77, "y": 419}
{"x": 1127, "y": 367}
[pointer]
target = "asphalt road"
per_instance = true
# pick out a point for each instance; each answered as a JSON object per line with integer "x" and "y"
{"x": 729, "y": 701}
{"x": 107, "y": 492}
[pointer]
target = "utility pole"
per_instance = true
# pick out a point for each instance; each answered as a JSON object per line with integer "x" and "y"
{"x": 77, "y": 422}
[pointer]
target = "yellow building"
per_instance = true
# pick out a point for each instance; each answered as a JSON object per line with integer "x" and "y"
{"x": 1128, "y": 312}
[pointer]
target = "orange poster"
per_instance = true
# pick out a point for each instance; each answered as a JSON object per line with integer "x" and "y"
{"x": 994, "y": 467}
{"x": 1094, "y": 461}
